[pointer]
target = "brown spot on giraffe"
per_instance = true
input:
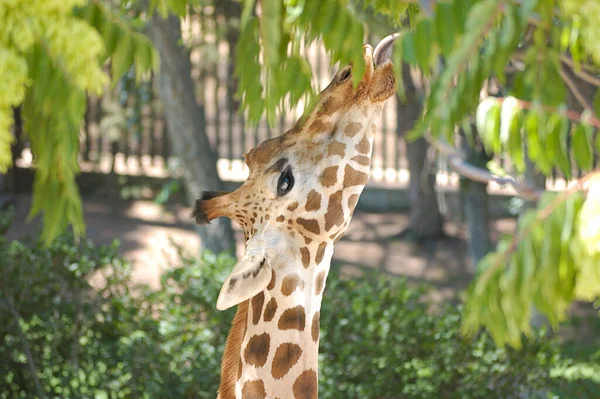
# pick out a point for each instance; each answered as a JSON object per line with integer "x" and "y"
{"x": 292, "y": 207}
{"x": 306, "y": 386}
{"x": 329, "y": 176}
{"x": 319, "y": 126}
{"x": 257, "y": 303}
{"x": 319, "y": 283}
{"x": 353, "y": 177}
{"x": 313, "y": 201}
{"x": 290, "y": 283}
{"x": 362, "y": 160}
{"x": 310, "y": 225}
{"x": 314, "y": 328}
{"x": 320, "y": 252}
{"x": 352, "y": 128}
{"x": 280, "y": 218}
{"x": 305, "y": 254}
{"x": 270, "y": 310}
{"x": 335, "y": 213}
{"x": 286, "y": 356}
{"x": 272, "y": 282}
{"x": 257, "y": 350}
{"x": 293, "y": 319}
{"x": 329, "y": 106}
{"x": 352, "y": 202}
{"x": 336, "y": 148}
{"x": 254, "y": 390}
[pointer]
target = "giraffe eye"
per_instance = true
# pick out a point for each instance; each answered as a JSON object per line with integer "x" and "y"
{"x": 285, "y": 182}
{"x": 345, "y": 74}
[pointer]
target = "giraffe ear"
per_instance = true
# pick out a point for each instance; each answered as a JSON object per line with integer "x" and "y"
{"x": 250, "y": 276}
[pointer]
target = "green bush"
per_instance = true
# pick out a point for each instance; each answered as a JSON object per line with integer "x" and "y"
{"x": 61, "y": 337}
{"x": 72, "y": 326}
{"x": 380, "y": 340}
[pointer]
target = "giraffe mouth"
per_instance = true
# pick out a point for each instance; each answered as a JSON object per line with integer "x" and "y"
{"x": 383, "y": 50}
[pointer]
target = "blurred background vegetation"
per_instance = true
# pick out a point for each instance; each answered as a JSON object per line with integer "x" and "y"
{"x": 496, "y": 119}
{"x": 74, "y": 326}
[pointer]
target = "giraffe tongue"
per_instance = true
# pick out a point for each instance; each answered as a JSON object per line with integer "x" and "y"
{"x": 383, "y": 51}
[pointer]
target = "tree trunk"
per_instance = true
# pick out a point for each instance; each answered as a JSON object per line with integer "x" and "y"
{"x": 475, "y": 200}
{"x": 187, "y": 126}
{"x": 425, "y": 218}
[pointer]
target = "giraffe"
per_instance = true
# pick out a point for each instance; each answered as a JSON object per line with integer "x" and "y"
{"x": 294, "y": 206}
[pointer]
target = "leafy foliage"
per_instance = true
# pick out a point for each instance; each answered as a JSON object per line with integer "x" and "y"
{"x": 412, "y": 353}
{"x": 555, "y": 265}
{"x": 72, "y": 326}
{"x": 273, "y": 73}
{"x": 64, "y": 336}
{"x": 49, "y": 74}
{"x": 514, "y": 68}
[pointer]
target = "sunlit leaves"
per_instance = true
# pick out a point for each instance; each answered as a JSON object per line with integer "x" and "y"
{"x": 464, "y": 51}
{"x": 582, "y": 147}
{"x": 546, "y": 265}
{"x": 504, "y": 124}
{"x": 249, "y": 72}
{"x": 584, "y": 28}
{"x": 51, "y": 54}
{"x": 279, "y": 75}
{"x": 123, "y": 45}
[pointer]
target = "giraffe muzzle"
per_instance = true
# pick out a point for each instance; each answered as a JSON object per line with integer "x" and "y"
{"x": 209, "y": 206}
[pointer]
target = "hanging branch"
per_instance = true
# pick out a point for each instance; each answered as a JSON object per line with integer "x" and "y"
{"x": 457, "y": 161}
{"x": 541, "y": 215}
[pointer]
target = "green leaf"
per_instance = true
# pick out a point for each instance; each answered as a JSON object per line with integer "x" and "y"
{"x": 535, "y": 150}
{"x": 510, "y": 132}
{"x": 445, "y": 28}
{"x": 556, "y": 142}
{"x": 423, "y": 41}
{"x": 270, "y": 30}
{"x": 409, "y": 52}
{"x": 597, "y": 103}
{"x": 582, "y": 148}
{"x": 488, "y": 124}
{"x": 122, "y": 58}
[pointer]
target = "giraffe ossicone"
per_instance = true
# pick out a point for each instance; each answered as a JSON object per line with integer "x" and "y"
{"x": 295, "y": 205}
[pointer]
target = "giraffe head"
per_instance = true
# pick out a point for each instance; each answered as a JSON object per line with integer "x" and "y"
{"x": 303, "y": 186}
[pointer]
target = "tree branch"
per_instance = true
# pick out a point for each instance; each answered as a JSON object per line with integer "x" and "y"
{"x": 456, "y": 160}
{"x": 572, "y": 85}
{"x": 570, "y": 114}
{"x": 581, "y": 73}
{"x": 542, "y": 214}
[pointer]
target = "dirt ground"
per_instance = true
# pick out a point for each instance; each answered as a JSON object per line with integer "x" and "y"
{"x": 146, "y": 232}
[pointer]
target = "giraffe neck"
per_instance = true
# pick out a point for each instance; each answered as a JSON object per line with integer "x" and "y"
{"x": 278, "y": 354}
